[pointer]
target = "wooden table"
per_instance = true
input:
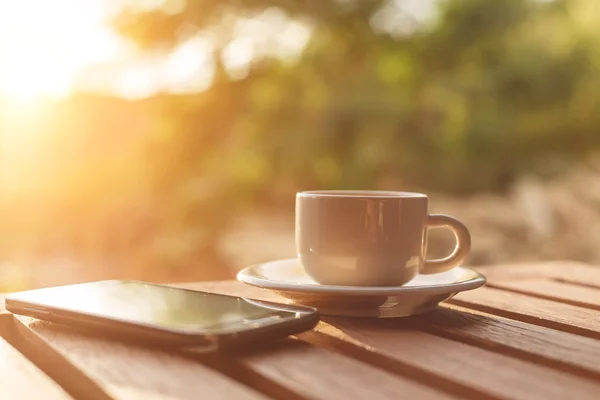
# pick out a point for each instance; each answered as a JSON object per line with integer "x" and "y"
{"x": 532, "y": 333}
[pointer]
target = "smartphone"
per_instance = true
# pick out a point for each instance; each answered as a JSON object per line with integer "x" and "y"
{"x": 164, "y": 315}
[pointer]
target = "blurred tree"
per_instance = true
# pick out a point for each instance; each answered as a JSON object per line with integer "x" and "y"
{"x": 463, "y": 101}
{"x": 486, "y": 86}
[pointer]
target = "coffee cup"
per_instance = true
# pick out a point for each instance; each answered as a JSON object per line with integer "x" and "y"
{"x": 371, "y": 238}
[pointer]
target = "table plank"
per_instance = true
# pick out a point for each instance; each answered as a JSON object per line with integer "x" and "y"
{"x": 400, "y": 346}
{"x": 488, "y": 344}
{"x": 319, "y": 373}
{"x": 561, "y": 350}
{"x": 20, "y": 379}
{"x": 551, "y": 314}
{"x": 588, "y": 274}
{"x": 516, "y": 306}
{"x": 553, "y": 290}
{"x": 591, "y": 282}
{"x": 555, "y": 270}
{"x": 110, "y": 369}
{"x": 567, "y": 272}
{"x": 492, "y": 375}
{"x": 546, "y": 269}
{"x": 123, "y": 371}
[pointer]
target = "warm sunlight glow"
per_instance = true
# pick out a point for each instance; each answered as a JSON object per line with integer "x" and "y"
{"x": 51, "y": 48}
{"x": 44, "y": 45}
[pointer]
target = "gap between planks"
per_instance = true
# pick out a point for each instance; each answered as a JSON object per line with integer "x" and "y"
{"x": 560, "y": 350}
{"x": 533, "y": 310}
{"x": 82, "y": 367}
{"x": 495, "y": 374}
{"x": 578, "y": 282}
{"x": 98, "y": 368}
{"x": 439, "y": 377}
{"x": 325, "y": 374}
{"x": 549, "y": 289}
{"x": 294, "y": 371}
{"x": 488, "y": 344}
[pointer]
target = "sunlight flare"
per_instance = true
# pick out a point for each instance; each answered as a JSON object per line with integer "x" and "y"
{"x": 44, "y": 45}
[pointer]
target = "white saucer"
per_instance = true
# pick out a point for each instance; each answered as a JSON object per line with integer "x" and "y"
{"x": 422, "y": 294}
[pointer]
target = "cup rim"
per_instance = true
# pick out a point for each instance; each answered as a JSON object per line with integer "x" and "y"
{"x": 367, "y": 194}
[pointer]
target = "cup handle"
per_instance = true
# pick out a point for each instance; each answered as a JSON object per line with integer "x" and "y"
{"x": 463, "y": 244}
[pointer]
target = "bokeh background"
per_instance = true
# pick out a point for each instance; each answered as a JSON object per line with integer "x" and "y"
{"x": 164, "y": 139}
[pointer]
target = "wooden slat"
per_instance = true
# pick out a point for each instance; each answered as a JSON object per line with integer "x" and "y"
{"x": 464, "y": 369}
{"x": 510, "y": 305}
{"x": 319, "y": 373}
{"x": 6, "y": 319}
{"x": 567, "y": 272}
{"x": 558, "y": 270}
{"x": 107, "y": 369}
{"x": 554, "y": 290}
{"x": 562, "y": 271}
{"x": 492, "y": 375}
{"x": 512, "y": 354}
{"x": 591, "y": 282}
{"x": 122, "y": 371}
{"x": 92, "y": 368}
{"x": 564, "y": 317}
{"x": 584, "y": 273}
{"x": 20, "y": 379}
{"x": 561, "y": 350}
{"x": 547, "y": 269}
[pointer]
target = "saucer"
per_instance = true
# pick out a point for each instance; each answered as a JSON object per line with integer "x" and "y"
{"x": 422, "y": 294}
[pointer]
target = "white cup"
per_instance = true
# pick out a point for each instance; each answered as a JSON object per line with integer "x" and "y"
{"x": 370, "y": 238}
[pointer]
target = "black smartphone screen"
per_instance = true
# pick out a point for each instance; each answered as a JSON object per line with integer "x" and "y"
{"x": 157, "y": 305}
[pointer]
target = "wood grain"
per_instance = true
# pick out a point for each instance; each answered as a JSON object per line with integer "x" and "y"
{"x": 20, "y": 379}
{"x": 549, "y": 269}
{"x": 568, "y": 271}
{"x": 319, "y": 373}
{"x": 402, "y": 346}
{"x": 492, "y": 375}
{"x": 128, "y": 372}
{"x": 296, "y": 370}
{"x": 489, "y": 344}
{"x": 583, "y": 276}
{"x": 585, "y": 282}
{"x": 553, "y": 290}
{"x": 563, "y": 350}
{"x": 6, "y": 320}
{"x": 583, "y": 273}
{"x": 551, "y": 314}
{"x": 561, "y": 271}
{"x": 109, "y": 369}
{"x": 560, "y": 350}
{"x": 2, "y": 309}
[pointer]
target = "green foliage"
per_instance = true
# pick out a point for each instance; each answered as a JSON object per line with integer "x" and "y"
{"x": 483, "y": 94}
{"x": 487, "y": 91}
